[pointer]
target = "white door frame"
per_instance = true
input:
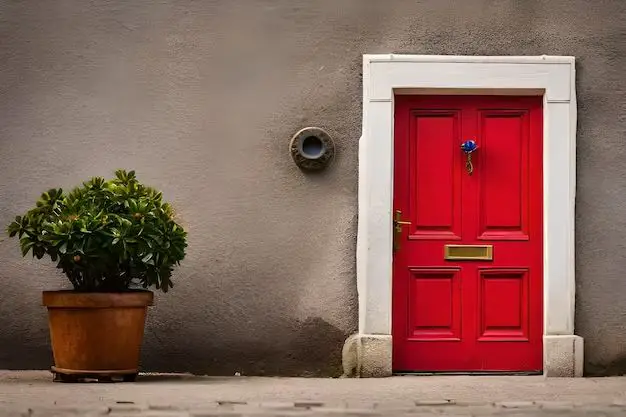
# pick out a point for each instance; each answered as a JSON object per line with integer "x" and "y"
{"x": 384, "y": 76}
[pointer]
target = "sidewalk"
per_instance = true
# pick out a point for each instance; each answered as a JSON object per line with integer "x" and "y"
{"x": 32, "y": 393}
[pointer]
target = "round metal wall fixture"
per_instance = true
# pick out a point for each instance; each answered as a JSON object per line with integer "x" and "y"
{"x": 312, "y": 149}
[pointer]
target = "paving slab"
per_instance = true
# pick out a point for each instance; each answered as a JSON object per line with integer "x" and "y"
{"x": 32, "y": 393}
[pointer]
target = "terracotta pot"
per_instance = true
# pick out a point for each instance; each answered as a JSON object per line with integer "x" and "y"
{"x": 96, "y": 333}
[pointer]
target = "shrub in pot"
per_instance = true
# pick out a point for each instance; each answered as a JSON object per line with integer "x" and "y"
{"x": 113, "y": 240}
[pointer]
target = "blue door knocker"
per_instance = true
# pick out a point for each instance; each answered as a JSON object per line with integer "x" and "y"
{"x": 468, "y": 147}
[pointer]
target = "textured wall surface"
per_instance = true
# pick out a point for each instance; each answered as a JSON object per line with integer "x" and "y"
{"x": 202, "y": 97}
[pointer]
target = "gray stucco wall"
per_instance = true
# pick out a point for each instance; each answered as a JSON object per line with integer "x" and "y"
{"x": 202, "y": 97}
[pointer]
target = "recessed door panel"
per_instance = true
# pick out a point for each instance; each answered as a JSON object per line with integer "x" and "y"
{"x": 504, "y": 174}
{"x": 435, "y": 175}
{"x": 503, "y": 304}
{"x": 435, "y": 304}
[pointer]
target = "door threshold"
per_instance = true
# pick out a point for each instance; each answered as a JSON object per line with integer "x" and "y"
{"x": 467, "y": 373}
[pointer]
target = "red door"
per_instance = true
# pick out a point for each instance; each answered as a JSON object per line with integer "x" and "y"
{"x": 467, "y": 285}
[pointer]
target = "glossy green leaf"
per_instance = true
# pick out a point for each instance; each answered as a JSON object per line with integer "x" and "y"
{"x": 104, "y": 234}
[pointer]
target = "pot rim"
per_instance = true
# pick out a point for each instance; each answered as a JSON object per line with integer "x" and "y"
{"x": 87, "y": 300}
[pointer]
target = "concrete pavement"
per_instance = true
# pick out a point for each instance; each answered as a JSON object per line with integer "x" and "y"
{"x": 32, "y": 393}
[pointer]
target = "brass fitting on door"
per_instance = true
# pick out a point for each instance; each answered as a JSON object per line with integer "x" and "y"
{"x": 397, "y": 229}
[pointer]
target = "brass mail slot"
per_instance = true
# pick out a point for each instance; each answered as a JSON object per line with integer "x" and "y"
{"x": 468, "y": 252}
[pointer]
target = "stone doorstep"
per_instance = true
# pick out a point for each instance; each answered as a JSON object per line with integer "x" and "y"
{"x": 369, "y": 356}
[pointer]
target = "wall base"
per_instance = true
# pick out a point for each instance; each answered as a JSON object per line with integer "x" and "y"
{"x": 563, "y": 356}
{"x": 367, "y": 356}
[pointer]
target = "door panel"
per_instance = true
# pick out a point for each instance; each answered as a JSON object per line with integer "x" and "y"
{"x": 435, "y": 304}
{"x": 480, "y": 314}
{"x": 434, "y": 154}
{"x": 504, "y": 175}
{"x": 503, "y": 304}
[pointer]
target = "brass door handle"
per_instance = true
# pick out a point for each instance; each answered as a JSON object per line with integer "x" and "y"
{"x": 397, "y": 226}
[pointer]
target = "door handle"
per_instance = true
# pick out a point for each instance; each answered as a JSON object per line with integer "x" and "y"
{"x": 397, "y": 229}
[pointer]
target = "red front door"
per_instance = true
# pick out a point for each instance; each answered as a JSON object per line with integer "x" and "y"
{"x": 467, "y": 285}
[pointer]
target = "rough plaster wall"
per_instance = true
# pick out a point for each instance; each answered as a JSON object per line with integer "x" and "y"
{"x": 201, "y": 98}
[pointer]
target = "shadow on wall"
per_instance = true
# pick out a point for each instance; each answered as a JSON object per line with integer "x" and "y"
{"x": 313, "y": 350}
{"x": 29, "y": 357}
{"x": 614, "y": 368}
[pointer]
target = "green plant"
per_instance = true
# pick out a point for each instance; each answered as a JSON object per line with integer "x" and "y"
{"x": 105, "y": 235}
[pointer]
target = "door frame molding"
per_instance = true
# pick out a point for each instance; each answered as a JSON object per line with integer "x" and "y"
{"x": 384, "y": 76}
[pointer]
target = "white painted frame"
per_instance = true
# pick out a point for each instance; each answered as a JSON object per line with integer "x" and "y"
{"x": 552, "y": 77}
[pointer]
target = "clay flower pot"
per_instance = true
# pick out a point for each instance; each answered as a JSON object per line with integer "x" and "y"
{"x": 96, "y": 335}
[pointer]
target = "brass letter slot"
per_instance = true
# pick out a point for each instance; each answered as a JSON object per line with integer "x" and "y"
{"x": 468, "y": 252}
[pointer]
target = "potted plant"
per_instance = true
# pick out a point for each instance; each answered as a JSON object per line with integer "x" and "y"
{"x": 113, "y": 240}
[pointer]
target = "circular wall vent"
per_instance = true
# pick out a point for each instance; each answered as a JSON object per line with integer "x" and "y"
{"x": 312, "y": 149}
